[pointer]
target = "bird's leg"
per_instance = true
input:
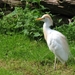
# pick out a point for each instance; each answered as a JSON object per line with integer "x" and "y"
{"x": 55, "y": 63}
{"x": 65, "y": 65}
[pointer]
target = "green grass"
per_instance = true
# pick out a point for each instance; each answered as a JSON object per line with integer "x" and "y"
{"x": 20, "y": 47}
{"x": 8, "y": 72}
{"x": 21, "y": 56}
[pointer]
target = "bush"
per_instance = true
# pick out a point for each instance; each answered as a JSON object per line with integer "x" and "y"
{"x": 23, "y": 21}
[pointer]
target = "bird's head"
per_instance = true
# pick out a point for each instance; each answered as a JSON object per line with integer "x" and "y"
{"x": 46, "y": 18}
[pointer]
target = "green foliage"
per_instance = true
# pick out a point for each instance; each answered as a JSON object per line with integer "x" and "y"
{"x": 23, "y": 21}
{"x": 38, "y": 1}
{"x": 1, "y": 13}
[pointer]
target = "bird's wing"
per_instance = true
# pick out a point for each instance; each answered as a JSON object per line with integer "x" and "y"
{"x": 57, "y": 37}
{"x": 57, "y": 43}
{"x": 63, "y": 42}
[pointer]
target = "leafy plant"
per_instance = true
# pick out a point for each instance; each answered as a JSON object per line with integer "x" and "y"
{"x": 31, "y": 1}
{"x": 1, "y": 13}
{"x": 23, "y": 21}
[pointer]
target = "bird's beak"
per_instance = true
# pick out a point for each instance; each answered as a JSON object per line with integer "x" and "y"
{"x": 39, "y": 19}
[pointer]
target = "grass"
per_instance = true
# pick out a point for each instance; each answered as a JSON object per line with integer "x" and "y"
{"x": 22, "y": 56}
{"x": 20, "y": 47}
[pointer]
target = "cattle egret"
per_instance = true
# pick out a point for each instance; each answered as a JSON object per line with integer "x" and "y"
{"x": 56, "y": 41}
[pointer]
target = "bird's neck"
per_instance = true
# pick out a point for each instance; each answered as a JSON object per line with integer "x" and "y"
{"x": 46, "y": 28}
{"x": 46, "y": 25}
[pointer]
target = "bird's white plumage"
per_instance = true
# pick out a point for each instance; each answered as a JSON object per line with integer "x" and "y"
{"x": 56, "y": 41}
{"x": 58, "y": 45}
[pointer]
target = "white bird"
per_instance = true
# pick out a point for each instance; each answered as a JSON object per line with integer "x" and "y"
{"x": 56, "y": 41}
